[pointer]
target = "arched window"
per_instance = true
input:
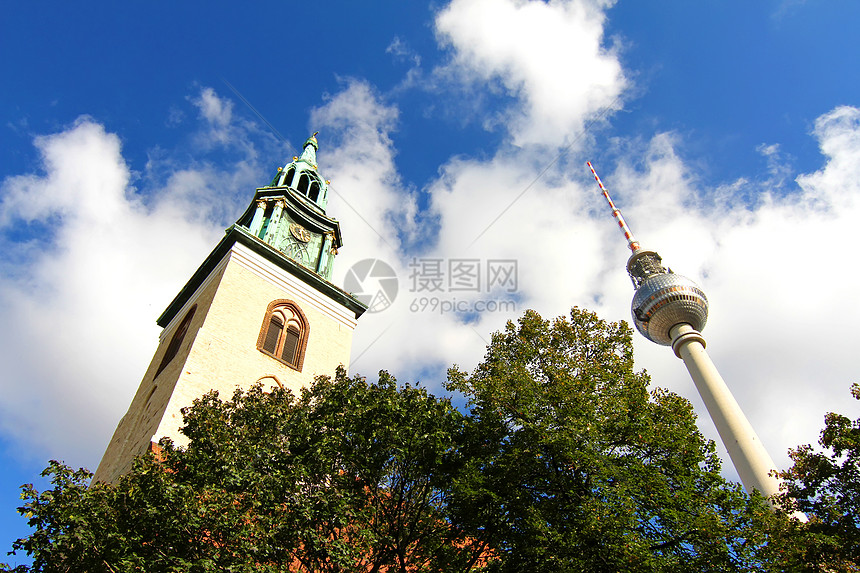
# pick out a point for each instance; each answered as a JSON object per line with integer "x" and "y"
{"x": 176, "y": 341}
{"x": 288, "y": 178}
{"x": 302, "y": 187}
{"x": 314, "y": 193}
{"x": 284, "y": 334}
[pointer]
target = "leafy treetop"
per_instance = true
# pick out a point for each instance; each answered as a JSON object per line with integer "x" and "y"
{"x": 562, "y": 461}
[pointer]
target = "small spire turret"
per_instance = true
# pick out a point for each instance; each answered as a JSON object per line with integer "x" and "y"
{"x": 309, "y": 152}
{"x": 301, "y": 175}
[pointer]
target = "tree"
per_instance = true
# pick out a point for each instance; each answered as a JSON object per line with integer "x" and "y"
{"x": 825, "y": 485}
{"x": 348, "y": 477}
{"x": 563, "y": 461}
{"x": 569, "y": 465}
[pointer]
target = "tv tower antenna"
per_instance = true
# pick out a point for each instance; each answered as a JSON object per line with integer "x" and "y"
{"x": 672, "y": 310}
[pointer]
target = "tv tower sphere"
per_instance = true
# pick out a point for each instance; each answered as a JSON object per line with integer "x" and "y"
{"x": 663, "y": 299}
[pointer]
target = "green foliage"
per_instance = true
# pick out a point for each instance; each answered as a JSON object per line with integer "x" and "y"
{"x": 569, "y": 466}
{"x": 825, "y": 485}
{"x": 343, "y": 478}
{"x": 564, "y": 461}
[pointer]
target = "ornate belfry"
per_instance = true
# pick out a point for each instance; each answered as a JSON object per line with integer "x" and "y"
{"x": 301, "y": 231}
{"x": 261, "y": 308}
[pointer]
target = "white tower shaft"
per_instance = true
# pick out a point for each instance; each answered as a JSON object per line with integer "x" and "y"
{"x": 749, "y": 456}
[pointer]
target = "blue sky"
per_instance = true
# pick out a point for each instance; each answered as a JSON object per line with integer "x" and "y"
{"x": 728, "y": 132}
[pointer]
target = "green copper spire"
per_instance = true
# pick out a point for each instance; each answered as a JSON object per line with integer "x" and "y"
{"x": 289, "y": 214}
{"x": 301, "y": 175}
{"x": 309, "y": 155}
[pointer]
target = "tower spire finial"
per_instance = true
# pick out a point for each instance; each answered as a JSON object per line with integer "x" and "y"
{"x": 622, "y": 224}
{"x": 309, "y": 151}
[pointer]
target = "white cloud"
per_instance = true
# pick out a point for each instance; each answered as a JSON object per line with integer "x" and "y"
{"x": 549, "y": 56}
{"x": 551, "y": 59}
{"x": 779, "y": 166}
{"x": 547, "y": 231}
{"x": 357, "y": 155}
{"x": 89, "y": 262}
{"x": 214, "y": 109}
{"x": 837, "y": 184}
{"x": 401, "y": 50}
{"x": 378, "y": 216}
{"x": 415, "y": 335}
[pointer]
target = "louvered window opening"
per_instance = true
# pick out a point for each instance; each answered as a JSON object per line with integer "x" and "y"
{"x": 176, "y": 340}
{"x": 284, "y": 339}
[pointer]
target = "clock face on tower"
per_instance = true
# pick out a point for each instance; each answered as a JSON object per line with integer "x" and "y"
{"x": 301, "y": 245}
{"x": 299, "y": 233}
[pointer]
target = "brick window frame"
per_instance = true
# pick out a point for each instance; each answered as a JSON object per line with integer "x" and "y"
{"x": 285, "y": 328}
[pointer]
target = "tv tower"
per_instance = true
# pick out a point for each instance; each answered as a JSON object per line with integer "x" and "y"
{"x": 672, "y": 310}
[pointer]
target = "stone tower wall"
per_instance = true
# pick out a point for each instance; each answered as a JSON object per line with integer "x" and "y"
{"x": 220, "y": 351}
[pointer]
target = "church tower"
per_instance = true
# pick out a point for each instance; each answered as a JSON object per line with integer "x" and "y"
{"x": 261, "y": 307}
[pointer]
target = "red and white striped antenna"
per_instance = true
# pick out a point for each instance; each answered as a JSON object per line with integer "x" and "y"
{"x": 628, "y": 234}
